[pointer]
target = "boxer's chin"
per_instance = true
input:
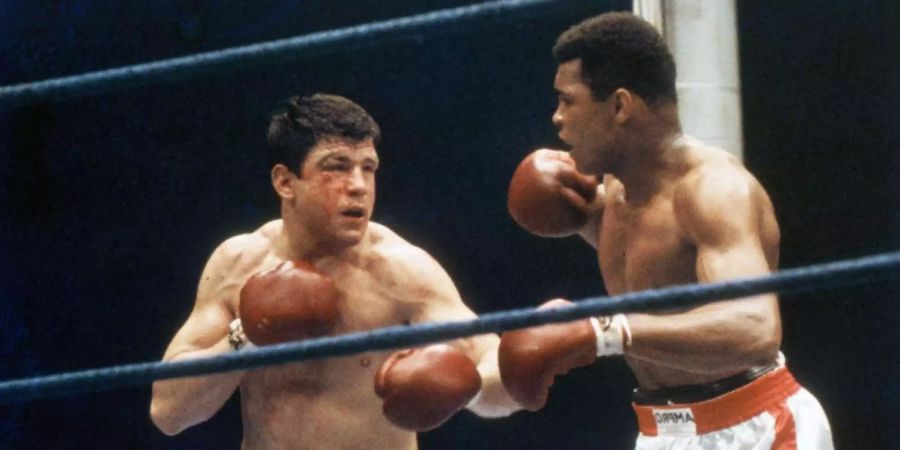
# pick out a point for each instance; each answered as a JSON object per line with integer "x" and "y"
{"x": 348, "y": 236}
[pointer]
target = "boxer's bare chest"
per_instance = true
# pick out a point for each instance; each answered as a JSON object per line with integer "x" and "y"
{"x": 369, "y": 296}
{"x": 642, "y": 246}
{"x": 330, "y": 402}
{"x": 367, "y": 301}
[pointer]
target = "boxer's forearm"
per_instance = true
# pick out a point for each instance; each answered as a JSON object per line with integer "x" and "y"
{"x": 724, "y": 337}
{"x": 493, "y": 400}
{"x": 180, "y": 403}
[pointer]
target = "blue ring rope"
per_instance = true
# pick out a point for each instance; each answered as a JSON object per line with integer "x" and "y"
{"x": 817, "y": 277}
{"x": 137, "y": 75}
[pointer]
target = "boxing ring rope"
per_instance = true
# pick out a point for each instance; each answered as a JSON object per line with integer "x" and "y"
{"x": 220, "y": 61}
{"x": 802, "y": 279}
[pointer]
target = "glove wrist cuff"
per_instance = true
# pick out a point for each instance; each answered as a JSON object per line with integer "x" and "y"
{"x": 236, "y": 336}
{"x": 613, "y": 334}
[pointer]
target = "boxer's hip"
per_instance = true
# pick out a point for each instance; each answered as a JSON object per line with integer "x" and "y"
{"x": 766, "y": 406}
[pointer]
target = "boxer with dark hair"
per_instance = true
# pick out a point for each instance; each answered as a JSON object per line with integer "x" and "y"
{"x": 325, "y": 269}
{"x": 661, "y": 209}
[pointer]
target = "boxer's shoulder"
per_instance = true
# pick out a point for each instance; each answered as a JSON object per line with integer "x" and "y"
{"x": 390, "y": 254}
{"x": 244, "y": 253}
{"x": 387, "y": 244}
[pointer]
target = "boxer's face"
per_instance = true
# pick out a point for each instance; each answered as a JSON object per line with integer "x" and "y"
{"x": 584, "y": 123}
{"x": 335, "y": 192}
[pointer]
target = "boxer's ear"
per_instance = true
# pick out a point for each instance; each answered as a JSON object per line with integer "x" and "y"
{"x": 623, "y": 104}
{"x": 281, "y": 181}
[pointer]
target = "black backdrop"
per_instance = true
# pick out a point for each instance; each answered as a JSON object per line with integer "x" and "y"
{"x": 112, "y": 203}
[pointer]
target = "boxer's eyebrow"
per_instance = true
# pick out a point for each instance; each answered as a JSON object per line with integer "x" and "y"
{"x": 332, "y": 157}
{"x": 564, "y": 92}
{"x": 372, "y": 160}
{"x": 343, "y": 159}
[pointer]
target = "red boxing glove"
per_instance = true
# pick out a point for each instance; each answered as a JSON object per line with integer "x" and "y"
{"x": 530, "y": 358}
{"x": 289, "y": 302}
{"x": 536, "y": 201}
{"x": 423, "y": 387}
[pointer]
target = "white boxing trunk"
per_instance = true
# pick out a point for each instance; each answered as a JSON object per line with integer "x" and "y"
{"x": 772, "y": 412}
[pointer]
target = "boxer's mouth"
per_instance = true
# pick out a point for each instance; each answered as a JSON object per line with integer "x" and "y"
{"x": 356, "y": 213}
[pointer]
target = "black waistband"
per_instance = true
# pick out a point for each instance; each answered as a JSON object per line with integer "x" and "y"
{"x": 692, "y": 393}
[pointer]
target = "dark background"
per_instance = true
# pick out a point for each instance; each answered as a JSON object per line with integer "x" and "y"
{"x": 112, "y": 203}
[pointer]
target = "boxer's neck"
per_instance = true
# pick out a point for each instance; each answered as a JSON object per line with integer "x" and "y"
{"x": 298, "y": 242}
{"x": 652, "y": 154}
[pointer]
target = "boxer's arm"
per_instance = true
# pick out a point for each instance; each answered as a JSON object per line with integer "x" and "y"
{"x": 440, "y": 301}
{"x": 183, "y": 402}
{"x": 722, "y": 214}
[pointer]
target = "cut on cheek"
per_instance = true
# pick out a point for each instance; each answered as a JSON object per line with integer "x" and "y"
{"x": 330, "y": 199}
{"x": 323, "y": 179}
{"x": 328, "y": 191}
